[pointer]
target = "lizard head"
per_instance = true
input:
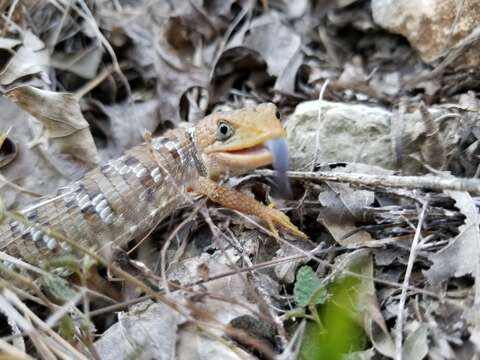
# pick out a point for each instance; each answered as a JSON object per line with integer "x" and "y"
{"x": 241, "y": 140}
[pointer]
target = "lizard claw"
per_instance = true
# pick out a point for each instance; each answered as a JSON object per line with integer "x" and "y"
{"x": 234, "y": 199}
{"x": 275, "y": 217}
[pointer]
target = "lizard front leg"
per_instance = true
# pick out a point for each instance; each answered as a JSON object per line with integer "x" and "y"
{"x": 234, "y": 199}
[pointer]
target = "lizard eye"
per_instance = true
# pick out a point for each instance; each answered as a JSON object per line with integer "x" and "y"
{"x": 224, "y": 130}
{"x": 277, "y": 114}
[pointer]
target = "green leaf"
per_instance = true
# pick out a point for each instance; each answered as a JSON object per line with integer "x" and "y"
{"x": 57, "y": 287}
{"x": 67, "y": 263}
{"x": 340, "y": 334}
{"x": 308, "y": 288}
{"x": 66, "y": 328}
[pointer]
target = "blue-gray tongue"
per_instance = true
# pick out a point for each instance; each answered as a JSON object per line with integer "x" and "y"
{"x": 279, "y": 150}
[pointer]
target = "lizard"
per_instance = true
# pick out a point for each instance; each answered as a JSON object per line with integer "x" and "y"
{"x": 124, "y": 198}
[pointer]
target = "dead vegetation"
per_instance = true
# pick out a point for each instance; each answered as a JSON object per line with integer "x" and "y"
{"x": 385, "y": 166}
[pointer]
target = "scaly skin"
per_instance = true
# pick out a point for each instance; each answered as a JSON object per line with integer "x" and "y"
{"x": 123, "y": 199}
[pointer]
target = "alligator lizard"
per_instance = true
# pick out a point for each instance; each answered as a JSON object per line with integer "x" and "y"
{"x": 123, "y": 199}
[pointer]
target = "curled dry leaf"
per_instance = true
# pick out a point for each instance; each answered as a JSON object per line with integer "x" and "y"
{"x": 233, "y": 288}
{"x": 8, "y": 149}
{"x": 147, "y": 331}
{"x": 285, "y": 271}
{"x": 84, "y": 63}
{"x": 31, "y": 58}
{"x": 415, "y": 346}
{"x": 60, "y": 115}
{"x": 128, "y": 122}
{"x": 230, "y": 300}
{"x": 461, "y": 256}
{"x": 194, "y": 345}
{"x": 343, "y": 207}
{"x": 279, "y": 46}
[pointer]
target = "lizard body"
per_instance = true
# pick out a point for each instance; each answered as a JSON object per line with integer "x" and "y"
{"x": 123, "y": 199}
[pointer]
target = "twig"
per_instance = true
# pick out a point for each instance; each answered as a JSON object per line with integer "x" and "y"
{"x": 12, "y": 352}
{"x": 311, "y": 256}
{"x": 319, "y": 119}
{"x": 92, "y": 84}
{"x": 406, "y": 281}
{"x": 18, "y": 188}
{"x": 427, "y": 182}
{"x": 163, "y": 252}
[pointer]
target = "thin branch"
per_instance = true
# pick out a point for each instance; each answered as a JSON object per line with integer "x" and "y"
{"x": 406, "y": 281}
{"x": 427, "y": 182}
{"x": 319, "y": 120}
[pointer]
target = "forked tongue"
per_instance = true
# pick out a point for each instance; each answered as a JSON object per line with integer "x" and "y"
{"x": 279, "y": 150}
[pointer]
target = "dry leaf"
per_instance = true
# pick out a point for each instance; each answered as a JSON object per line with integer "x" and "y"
{"x": 415, "y": 346}
{"x": 193, "y": 345}
{"x": 60, "y": 115}
{"x": 461, "y": 256}
{"x": 84, "y": 63}
{"x": 147, "y": 331}
{"x": 8, "y": 149}
{"x": 128, "y": 122}
{"x": 342, "y": 207}
{"x": 30, "y": 169}
{"x": 233, "y": 289}
{"x": 31, "y": 58}
{"x": 279, "y": 46}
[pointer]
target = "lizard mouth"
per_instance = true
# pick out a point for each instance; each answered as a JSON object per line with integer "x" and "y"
{"x": 250, "y": 158}
{"x": 273, "y": 152}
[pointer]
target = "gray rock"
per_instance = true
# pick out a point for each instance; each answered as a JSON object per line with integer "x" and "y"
{"x": 362, "y": 134}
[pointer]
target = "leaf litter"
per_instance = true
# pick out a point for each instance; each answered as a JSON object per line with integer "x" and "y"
{"x": 87, "y": 78}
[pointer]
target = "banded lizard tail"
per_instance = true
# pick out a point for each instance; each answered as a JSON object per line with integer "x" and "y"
{"x": 123, "y": 199}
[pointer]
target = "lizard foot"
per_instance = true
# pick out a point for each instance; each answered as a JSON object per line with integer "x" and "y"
{"x": 237, "y": 200}
{"x": 274, "y": 217}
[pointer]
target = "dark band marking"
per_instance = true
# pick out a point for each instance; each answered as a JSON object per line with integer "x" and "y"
{"x": 172, "y": 147}
{"x": 88, "y": 211}
{"x": 131, "y": 161}
{"x": 159, "y": 142}
{"x": 32, "y": 215}
{"x": 202, "y": 170}
{"x": 71, "y": 204}
{"x": 14, "y": 227}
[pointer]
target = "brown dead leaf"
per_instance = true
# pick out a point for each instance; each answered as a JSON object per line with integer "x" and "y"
{"x": 342, "y": 208}
{"x": 461, "y": 256}
{"x": 234, "y": 291}
{"x": 31, "y": 58}
{"x": 194, "y": 345}
{"x": 279, "y": 46}
{"x": 147, "y": 331}
{"x": 174, "y": 45}
{"x": 233, "y": 288}
{"x": 29, "y": 168}
{"x": 125, "y": 123}
{"x": 416, "y": 344}
{"x": 60, "y": 115}
{"x": 8, "y": 149}
{"x": 83, "y": 63}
